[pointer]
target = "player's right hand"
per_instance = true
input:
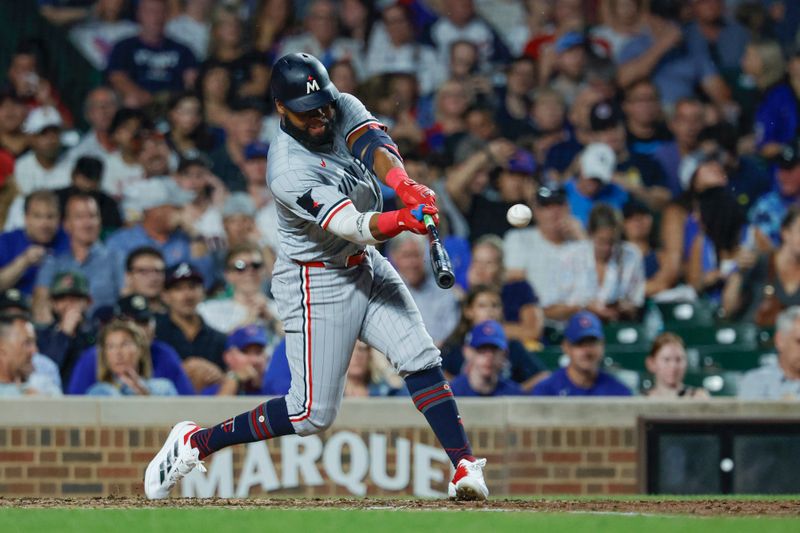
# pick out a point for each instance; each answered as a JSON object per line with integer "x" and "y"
{"x": 411, "y": 219}
{"x": 413, "y": 193}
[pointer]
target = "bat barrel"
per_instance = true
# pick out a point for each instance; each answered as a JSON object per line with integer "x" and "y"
{"x": 440, "y": 261}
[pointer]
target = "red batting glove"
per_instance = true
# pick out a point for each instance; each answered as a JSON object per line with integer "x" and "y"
{"x": 407, "y": 219}
{"x": 408, "y": 190}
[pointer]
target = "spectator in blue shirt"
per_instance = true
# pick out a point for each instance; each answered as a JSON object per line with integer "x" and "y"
{"x": 150, "y": 63}
{"x": 160, "y": 200}
{"x": 87, "y": 255}
{"x": 768, "y": 212}
{"x": 486, "y": 357}
{"x": 23, "y": 250}
{"x": 246, "y": 360}
{"x": 165, "y": 360}
{"x": 584, "y": 344}
{"x": 593, "y": 184}
{"x": 725, "y": 38}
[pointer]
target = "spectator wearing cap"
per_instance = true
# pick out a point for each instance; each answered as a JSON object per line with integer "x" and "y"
{"x": 183, "y": 328}
{"x": 643, "y": 118}
{"x": 322, "y": 38}
{"x": 522, "y": 316}
{"x": 87, "y": 254}
{"x": 13, "y": 112}
{"x": 202, "y": 217}
{"x": 486, "y": 358}
{"x": 69, "y": 333}
{"x": 245, "y": 301}
{"x": 17, "y": 367}
{"x": 510, "y": 171}
{"x": 778, "y": 380}
{"x": 438, "y": 307}
{"x": 686, "y": 124}
{"x": 602, "y": 274}
{"x": 254, "y": 169}
{"x": 769, "y": 210}
{"x": 594, "y": 183}
{"x": 393, "y": 48}
{"x": 145, "y": 273}
{"x": 242, "y": 127}
{"x": 530, "y": 253}
{"x": 584, "y": 345}
{"x": 637, "y": 227}
{"x": 124, "y": 366}
{"x": 122, "y": 167}
{"x": 86, "y": 176}
{"x": 640, "y": 175}
{"x": 100, "y": 106}
{"x": 42, "y": 168}
{"x": 23, "y": 250}
{"x": 663, "y": 52}
{"x": 246, "y": 362}
{"x": 566, "y": 70}
{"x": 149, "y": 63}
{"x": 14, "y": 303}
{"x": 166, "y": 363}
{"x": 160, "y": 200}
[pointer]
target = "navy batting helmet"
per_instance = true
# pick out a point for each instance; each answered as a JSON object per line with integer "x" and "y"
{"x": 301, "y": 83}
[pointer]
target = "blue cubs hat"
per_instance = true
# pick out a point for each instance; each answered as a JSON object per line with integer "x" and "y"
{"x": 569, "y": 40}
{"x": 256, "y": 150}
{"x": 522, "y": 162}
{"x": 247, "y": 336}
{"x": 583, "y": 325}
{"x": 488, "y": 333}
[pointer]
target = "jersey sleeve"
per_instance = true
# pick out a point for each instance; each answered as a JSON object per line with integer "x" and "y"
{"x": 309, "y": 198}
{"x": 354, "y": 116}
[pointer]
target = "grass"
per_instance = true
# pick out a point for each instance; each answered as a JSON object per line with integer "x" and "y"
{"x": 364, "y": 521}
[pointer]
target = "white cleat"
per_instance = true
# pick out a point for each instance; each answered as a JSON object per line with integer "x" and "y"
{"x": 175, "y": 459}
{"x": 468, "y": 483}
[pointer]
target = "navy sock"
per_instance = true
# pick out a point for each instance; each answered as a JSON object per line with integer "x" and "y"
{"x": 267, "y": 421}
{"x": 434, "y": 399}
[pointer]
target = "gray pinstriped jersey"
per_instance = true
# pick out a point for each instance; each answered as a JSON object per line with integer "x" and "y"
{"x": 309, "y": 188}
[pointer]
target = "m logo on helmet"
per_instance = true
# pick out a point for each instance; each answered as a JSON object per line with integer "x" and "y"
{"x": 311, "y": 85}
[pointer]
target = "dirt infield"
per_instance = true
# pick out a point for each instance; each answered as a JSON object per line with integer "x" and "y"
{"x": 694, "y": 507}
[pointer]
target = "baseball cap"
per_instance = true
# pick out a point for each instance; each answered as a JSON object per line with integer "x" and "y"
{"x": 569, "y": 40}
{"x": 522, "y": 162}
{"x": 157, "y": 192}
{"x": 488, "y": 333}
{"x": 247, "y": 336}
{"x": 191, "y": 158}
{"x": 605, "y": 115}
{"x": 546, "y": 196}
{"x": 182, "y": 272}
{"x": 135, "y": 307}
{"x": 41, "y": 118}
{"x": 13, "y": 298}
{"x": 583, "y": 325}
{"x": 256, "y": 150}
{"x": 598, "y": 161}
{"x": 238, "y": 203}
{"x": 789, "y": 157}
{"x": 69, "y": 284}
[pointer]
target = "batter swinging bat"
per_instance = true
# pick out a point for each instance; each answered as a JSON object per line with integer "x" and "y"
{"x": 440, "y": 261}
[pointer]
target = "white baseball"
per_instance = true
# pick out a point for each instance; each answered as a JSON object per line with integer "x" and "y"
{"x": 519, "y": 215}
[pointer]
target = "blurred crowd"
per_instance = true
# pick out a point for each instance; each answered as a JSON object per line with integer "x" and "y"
{"x": 656, "y": 142}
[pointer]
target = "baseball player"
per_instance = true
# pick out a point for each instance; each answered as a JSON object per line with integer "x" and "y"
{"x": 331, "y": 286}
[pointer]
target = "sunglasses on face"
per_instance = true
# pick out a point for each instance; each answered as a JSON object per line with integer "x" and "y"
{"x": 241, "y": 265}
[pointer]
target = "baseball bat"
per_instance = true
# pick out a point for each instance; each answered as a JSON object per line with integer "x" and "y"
{"x": 440, "y": 261}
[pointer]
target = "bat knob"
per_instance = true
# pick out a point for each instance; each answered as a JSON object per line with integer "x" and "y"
{"x": 445, "y": 279}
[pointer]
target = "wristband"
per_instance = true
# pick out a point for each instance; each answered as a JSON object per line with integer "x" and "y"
{"x": 396, "y": 176}
{"x": 388, "y": 223}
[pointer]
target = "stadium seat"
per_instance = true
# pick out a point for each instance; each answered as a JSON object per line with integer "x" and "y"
{"x": 629, "y": 335}
{"x": 730, "y": 358}
{"x": 739, "y": 336}
{"x": 551, "y": 356}
{"x": 699, "y": 313}
{"x": 628, "y": 360}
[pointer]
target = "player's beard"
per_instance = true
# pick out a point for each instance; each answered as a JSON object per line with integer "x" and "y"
{"x": 315, "y": 143}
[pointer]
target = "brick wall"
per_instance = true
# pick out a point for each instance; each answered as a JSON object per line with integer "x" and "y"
{"x": 90, "y": 449}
